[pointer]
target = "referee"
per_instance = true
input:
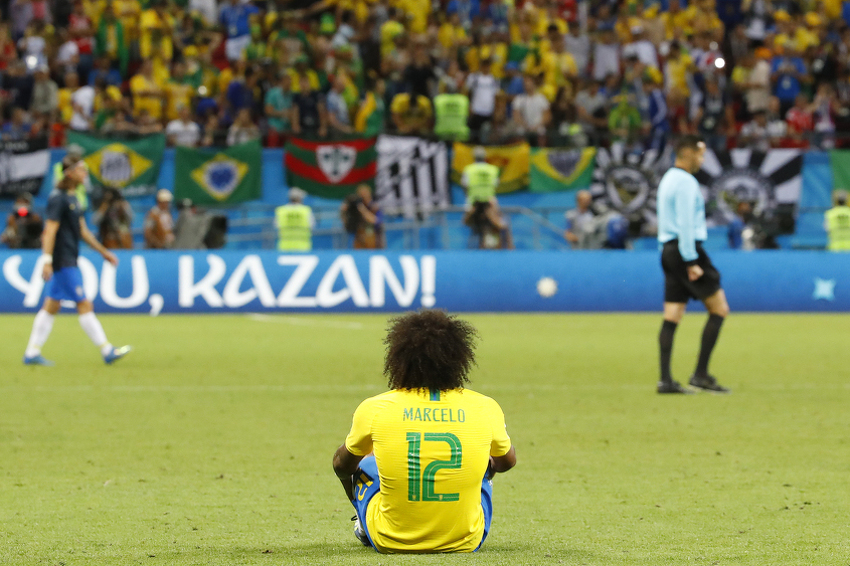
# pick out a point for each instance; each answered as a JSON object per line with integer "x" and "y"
{"x": 688, "y": 271}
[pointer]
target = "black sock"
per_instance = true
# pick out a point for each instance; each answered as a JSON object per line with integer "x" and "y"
{"x": 709, "y": 339}
{"x": 665, "y": 342}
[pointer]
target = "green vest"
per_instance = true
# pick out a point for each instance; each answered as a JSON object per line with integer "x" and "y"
{"x": 838, "y": 228}
{"x": 451, "y": 114}
{"x": 80, "y": 193}
{"x": 482, "y": 179}
{"x": 293, "y": 224}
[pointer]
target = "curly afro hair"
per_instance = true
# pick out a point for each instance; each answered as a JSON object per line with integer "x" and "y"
{"x": 429, "y": 349}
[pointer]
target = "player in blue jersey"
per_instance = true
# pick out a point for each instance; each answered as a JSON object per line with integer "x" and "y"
{"x": 688, "y": 271}
{"x": 64, "y": 229}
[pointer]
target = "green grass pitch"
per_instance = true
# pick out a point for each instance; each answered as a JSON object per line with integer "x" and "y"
{"x": 211, "y": 444}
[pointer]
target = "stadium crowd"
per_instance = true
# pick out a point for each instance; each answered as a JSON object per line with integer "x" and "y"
{"x": 746, "y": 73}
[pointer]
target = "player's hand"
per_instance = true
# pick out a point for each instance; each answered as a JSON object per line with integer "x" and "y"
{"x": 694, "y": 272}
{"x": 111, "y": 258}
{"x": 47, "y": 271}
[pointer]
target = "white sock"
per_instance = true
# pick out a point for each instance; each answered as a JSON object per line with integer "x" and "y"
{"x": 95, "y": 332}
{"x": 41, "y": 327}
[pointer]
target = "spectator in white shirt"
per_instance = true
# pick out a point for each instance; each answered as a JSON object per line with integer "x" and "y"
{"x": 606, "y": 54}
{"x": 642, "y": 48}
{"x": 243, "y": 129}
{"x": 482, "y": 88}
{"x": 578, "y": 44}
{"x": 183, "y": 131}
{"x": 68, "y": 55}
{"x": 82, "y": 103}
{"x": 531, "y": 113}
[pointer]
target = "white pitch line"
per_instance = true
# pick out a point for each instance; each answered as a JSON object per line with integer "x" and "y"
{"x": 304, "y": 321}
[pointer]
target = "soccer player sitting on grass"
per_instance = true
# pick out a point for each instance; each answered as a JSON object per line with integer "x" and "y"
{"x": 63, "y": 231}
{"x": 418, "y": 461}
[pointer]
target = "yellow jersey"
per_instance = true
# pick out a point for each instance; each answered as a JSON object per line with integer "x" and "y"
{"x": 432, "y": 449}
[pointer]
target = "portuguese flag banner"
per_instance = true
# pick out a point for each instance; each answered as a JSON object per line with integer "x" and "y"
{"x": 219, "y": 176}
{"x": 331, "y": 169}
{"x": 561, "y": 169}
{"x": 130, "y": 165}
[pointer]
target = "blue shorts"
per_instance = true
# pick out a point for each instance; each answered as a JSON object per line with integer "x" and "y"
{"x": 66, "y": 285}
{"x": 367, "y": 484}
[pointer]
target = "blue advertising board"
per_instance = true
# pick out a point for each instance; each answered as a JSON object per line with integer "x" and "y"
{"x": 463, "y": 281}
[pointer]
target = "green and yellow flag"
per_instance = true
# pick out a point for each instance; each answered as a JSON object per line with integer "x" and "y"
{"x": 130, "y": 165}
{"x": 512, "y": 161}
{"x": 219, "y": 176}
{"x": 561, "y": 169}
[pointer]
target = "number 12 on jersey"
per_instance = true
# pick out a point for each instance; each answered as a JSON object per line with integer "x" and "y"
{"x": 420, "y": 487}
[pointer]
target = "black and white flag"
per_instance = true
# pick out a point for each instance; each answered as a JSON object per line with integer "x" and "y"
{"x": 767, "y": 180}
{"x": 413, "y": 176}
{"x": 23, "y": 165}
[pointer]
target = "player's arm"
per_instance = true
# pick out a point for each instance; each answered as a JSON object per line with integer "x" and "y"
{"x": 501, "y": 464}
{"x": 48, "y": 241}
{"x": 89, "y": 238}
{"x": 345, "y": 464}
{"x": 502, "y": 452}
{"x": 686, "y": 202}
{"x": 357, "y": 445}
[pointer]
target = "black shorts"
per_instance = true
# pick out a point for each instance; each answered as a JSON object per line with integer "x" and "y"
{"x": 677, "y": 287}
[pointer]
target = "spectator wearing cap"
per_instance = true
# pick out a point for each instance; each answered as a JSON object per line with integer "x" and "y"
{"x": 235, "y": 19}
{"x": 159, "y": 224}
{"x": 295, "y": 222}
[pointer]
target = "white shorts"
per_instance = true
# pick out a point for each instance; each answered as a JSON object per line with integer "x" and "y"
{"x": 234, "y": 48}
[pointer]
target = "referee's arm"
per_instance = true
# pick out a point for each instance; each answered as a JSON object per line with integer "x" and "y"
{"x": 686, "y": 209}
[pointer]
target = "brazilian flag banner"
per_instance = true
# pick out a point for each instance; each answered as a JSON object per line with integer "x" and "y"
{"x": 331, "y": 169}
{"x": 219, "y": 176}
{"x": 129, "y": 165}
{"x": 561, "y": 169}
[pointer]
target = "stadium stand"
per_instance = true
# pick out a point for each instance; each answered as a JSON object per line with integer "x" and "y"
{"x": 558, "y": 73}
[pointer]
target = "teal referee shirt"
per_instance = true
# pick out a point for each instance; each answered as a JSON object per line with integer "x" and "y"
{"x": 681, "y": 212}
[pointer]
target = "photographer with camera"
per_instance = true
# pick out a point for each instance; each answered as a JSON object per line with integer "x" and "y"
{"x": 23, "y": 225}
{"x": 490, "y": 229}
{"x": 113, "y": 219}
{"x": 362, "y": 218}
